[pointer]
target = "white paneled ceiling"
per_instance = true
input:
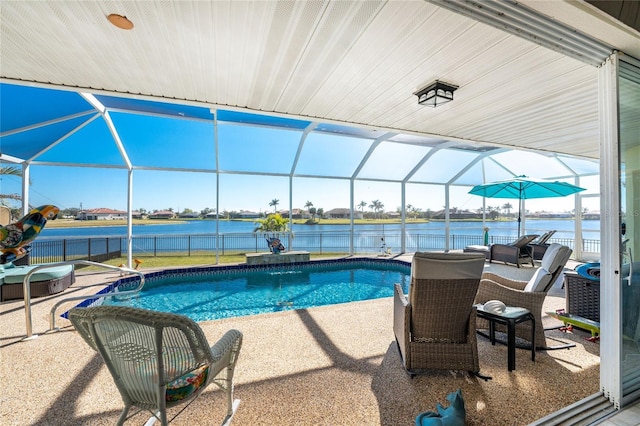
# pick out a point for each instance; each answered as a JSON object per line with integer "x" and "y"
{"x": 351, "y": 62}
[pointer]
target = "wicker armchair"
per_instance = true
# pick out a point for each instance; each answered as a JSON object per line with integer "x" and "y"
{"x": 514, "y": 252}
{"x": 158, "y": 359}
{"x": 435, "y": 326}
{"x": 525, "y": 294}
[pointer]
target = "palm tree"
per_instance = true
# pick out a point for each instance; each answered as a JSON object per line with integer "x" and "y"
{"x": 274, "y": 203}
{"x": 9, "y": 171}
{"x": 407, "y": 209}
{"x": 376, "y": 206}
{"x": 308, "y": 205}
{"x": 413, "y": 211}
{"x": 362, "y": 205}
{"x": 493, "y": 212}
{"x": 507, "y": 207}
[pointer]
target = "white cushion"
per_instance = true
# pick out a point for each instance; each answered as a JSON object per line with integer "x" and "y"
{"x": 539, "y": 280}
{"x": 550, "y": 255}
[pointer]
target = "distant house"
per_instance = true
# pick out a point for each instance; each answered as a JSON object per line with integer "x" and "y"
{"x": 595, "y": 215}
{"x": 162, "y": 214}
{"x": 190, "y": 215}
{"x": 295, "y": 213}
{"x": 245, "y": 214}
{"x": 459, "y": 214}
{"x": 101, "y": 214}
{"x": 137, "y": 215}
{"x": 338, "y": 213}
{"x": 553, "y": 215}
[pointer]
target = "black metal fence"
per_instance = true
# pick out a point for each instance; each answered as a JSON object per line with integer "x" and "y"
{"x": 99, "y": 249}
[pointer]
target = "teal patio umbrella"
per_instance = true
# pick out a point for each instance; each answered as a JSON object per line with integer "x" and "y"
{"x": 522, "y": 188}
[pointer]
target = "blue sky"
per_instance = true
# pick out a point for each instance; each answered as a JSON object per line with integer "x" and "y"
{"x": 155, "y": 190}
{"x": 246, "y": 144}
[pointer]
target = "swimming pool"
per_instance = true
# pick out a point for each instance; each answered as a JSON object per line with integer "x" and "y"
{"x": 221, "y": 292}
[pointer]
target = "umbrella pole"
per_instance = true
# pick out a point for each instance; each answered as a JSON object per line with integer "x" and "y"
{"x": 519, "y": 208}
{"x": 523, "y": 216}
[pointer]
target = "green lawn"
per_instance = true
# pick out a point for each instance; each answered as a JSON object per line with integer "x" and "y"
{"x": 197, "y": 259}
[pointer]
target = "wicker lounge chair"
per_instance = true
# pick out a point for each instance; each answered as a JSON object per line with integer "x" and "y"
{"x": 158, "y": 359}
{"x": 526, "y": 294}
{"x": 435, "y": 325}
{"x": 514, "y": 252}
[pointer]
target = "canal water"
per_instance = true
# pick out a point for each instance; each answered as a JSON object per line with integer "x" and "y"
{"x": 565, "y": 228}
{"x": 237, "y": 236}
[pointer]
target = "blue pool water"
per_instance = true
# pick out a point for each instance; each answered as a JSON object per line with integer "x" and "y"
{"x": 214, "y": 293}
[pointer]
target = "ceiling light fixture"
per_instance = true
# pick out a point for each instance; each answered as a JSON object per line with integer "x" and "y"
{"x": 120, "y": 21}
{"x": 436, "y": 94}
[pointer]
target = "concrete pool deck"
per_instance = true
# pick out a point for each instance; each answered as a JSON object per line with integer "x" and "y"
{"x": 328, "y": 365}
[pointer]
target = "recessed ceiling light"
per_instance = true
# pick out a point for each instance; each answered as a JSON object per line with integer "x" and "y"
{"x": 120, "y": 21}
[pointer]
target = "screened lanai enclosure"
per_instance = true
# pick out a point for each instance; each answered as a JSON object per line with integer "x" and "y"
{"x": 214, "y": 153}
{"x": 239, "y": 103}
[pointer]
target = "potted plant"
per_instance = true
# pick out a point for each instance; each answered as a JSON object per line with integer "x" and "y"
{"x": 272, "y": 226}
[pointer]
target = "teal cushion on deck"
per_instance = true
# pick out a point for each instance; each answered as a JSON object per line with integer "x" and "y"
{"x": 16, "y": 274}
{"x": 6, "y": 266}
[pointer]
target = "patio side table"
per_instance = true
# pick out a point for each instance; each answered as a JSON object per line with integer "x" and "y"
{"x": 510, "y": 317}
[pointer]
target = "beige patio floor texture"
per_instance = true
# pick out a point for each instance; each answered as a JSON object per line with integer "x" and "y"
{"x": 330, "y": 365}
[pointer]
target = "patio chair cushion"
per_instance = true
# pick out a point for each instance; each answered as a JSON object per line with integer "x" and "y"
{"x": 551, "y": 261}
{"x": 15, "y": 274}
{"x": 186, "y": 385}
{"x": 540, "y": 279}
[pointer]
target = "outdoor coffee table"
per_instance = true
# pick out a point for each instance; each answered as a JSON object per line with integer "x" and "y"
{"x": 510, "y": 317}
